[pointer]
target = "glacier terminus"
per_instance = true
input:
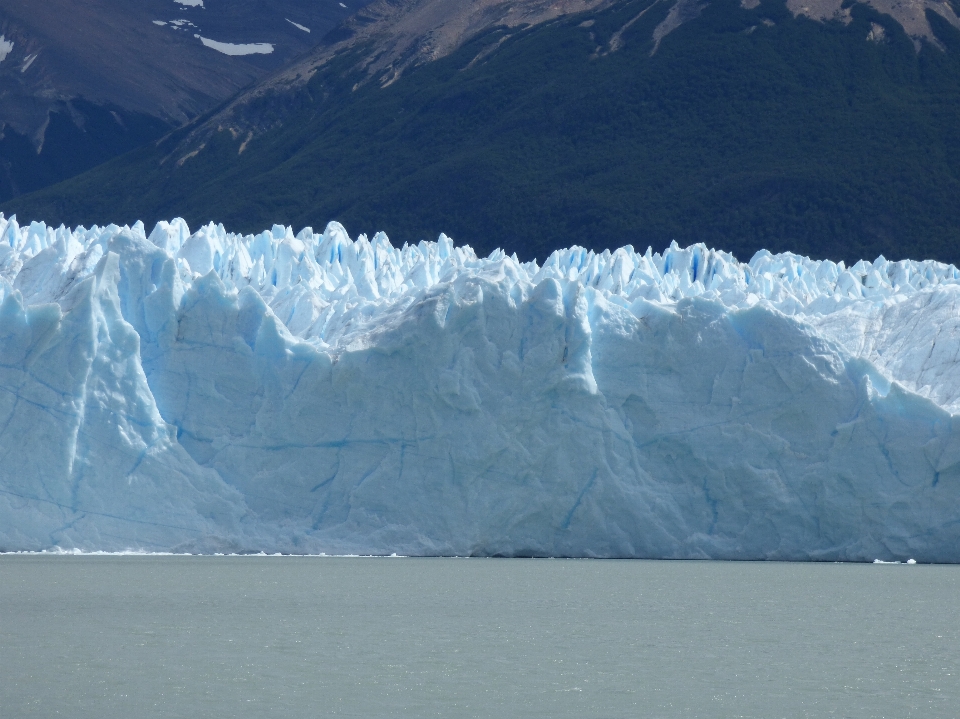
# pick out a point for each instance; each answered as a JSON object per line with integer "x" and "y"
{"x": 310, "y": 393}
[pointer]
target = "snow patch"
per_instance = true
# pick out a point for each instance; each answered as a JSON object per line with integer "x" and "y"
{"x": 190, "y": 3}
{"x": 229, "y": 48}
{"x": 295, "y": 24}
{"x": 6, "y": 47}
{"x": 28, "y": 61}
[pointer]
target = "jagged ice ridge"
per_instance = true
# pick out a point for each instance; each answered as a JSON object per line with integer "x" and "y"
{"x": 217, "y": 392}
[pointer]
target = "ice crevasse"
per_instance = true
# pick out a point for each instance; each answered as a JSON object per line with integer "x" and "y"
{"x": 215, "y": 392}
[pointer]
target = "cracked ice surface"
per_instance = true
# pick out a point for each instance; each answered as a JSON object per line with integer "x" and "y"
{"x": 311, "y": 393}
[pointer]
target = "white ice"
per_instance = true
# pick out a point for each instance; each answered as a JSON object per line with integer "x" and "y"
{"x": 6, "y": 47}
{"x": 295, "y": 24}
{"x": 214, "y": 392}
{"x": 229, "y": 48}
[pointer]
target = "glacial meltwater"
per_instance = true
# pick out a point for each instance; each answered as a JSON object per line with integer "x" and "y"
{"x": 175, "y": 636}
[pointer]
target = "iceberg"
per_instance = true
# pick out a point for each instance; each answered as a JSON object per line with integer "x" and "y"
{"x": 214, "y": 392}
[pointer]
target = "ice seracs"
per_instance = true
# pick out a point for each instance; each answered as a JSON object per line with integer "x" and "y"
{"x": 207, "y": 391}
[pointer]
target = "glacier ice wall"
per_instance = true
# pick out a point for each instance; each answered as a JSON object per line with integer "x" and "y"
{"x": 310, "y": 393}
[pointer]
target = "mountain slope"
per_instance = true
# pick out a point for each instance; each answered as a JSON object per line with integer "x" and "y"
{"x": 743, "y": 128}
{"x": 108, "y": 75}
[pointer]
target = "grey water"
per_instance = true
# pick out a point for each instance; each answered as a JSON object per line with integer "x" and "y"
{"x": 358, "y": 637}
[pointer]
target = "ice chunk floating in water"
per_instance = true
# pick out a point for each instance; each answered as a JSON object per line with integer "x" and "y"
{"x": 310, "y": 393}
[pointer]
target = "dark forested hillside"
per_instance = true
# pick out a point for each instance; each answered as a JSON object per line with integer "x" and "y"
{"x": 747, "y": 128}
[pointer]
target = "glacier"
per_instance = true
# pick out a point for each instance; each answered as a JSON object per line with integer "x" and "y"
{"x": 214, "y": 392}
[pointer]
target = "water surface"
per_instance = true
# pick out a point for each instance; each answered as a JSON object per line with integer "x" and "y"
{"x": 218, "y": 637}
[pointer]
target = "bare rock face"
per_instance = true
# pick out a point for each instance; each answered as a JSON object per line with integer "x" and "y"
{"x": 418, "y": 31}
{"x": 911, "y": 14}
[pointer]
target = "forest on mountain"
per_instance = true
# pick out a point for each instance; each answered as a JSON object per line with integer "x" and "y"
{"x": 745, "y": 129}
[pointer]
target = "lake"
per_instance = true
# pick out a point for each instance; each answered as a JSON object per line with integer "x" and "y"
{"x": 253, "y": 636}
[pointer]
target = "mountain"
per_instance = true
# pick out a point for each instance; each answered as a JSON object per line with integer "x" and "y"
{"x": 824, "y": 128}
{"x": 83, "y": 81}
